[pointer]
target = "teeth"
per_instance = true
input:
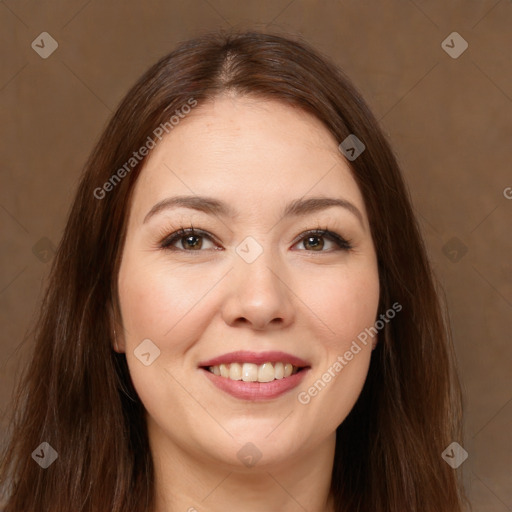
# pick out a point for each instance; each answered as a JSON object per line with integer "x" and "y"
{"x": 266, "y": 372}
{"x": 250, "y": 372}
{"x": 224, "y": 370}
{"x": 279, "y": 370}
{"x": 235, "y": 371}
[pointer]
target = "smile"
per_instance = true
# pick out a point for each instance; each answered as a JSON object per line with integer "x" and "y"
{"x": 250, "y": 372}
{"x": 255, "y": 376}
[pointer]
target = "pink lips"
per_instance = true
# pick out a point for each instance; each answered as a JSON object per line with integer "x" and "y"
{"x": 244, "y": 356}
{"x": 256, "y": 391}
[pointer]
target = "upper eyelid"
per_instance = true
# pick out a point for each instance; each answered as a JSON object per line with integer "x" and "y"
{"x": 183, "y": 232}
{"x": 191, "y": 231}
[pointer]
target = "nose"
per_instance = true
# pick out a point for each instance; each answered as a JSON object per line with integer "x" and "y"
{"x": 259, "y": 294}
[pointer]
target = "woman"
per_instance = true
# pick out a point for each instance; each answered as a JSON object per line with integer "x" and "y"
{"x": 241, "y": 313}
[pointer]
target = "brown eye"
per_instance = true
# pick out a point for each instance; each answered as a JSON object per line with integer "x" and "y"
{"x": 314, "y": 241}
{"x": 192, "y": 241}
{"x": 189, "y": 239}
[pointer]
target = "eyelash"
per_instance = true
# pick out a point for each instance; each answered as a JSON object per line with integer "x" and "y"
{"x": 342, "y": 243}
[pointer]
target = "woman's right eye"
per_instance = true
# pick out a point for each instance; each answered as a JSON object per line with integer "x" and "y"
{"x": 190, "y": 239}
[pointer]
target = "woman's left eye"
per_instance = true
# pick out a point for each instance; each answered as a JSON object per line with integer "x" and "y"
{"x": 315, "y": 240}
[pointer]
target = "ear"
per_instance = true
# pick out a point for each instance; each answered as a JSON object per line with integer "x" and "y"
{"x": 375, "y": 341}
{"x": 116, "y": 331}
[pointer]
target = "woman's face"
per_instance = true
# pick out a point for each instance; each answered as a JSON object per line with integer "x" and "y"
{"x": 251, "y": 281}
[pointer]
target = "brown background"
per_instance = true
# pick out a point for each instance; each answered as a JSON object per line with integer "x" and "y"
{"x": 449, "y": 120}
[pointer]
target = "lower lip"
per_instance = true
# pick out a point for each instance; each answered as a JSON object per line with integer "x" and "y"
{"x": 256, "y": 391}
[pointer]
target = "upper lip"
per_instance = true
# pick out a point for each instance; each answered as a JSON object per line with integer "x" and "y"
{"x": 245, "y": 356}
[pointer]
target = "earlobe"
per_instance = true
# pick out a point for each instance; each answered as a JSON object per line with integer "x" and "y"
{"x": 118, "y": 346}
{"x": 114, "y": 341}
{"x": 116, "y": 337}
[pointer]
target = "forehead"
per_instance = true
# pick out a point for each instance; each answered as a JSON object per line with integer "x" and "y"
{"x": 247, "y": 151}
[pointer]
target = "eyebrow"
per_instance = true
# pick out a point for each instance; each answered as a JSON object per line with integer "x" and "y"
{"x": 297, "y": 207}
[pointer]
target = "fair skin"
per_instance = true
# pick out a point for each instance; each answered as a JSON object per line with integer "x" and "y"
{"x": 307, "y": 297}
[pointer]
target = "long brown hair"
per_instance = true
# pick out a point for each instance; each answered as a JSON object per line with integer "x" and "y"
{"x": 76, "y": 393}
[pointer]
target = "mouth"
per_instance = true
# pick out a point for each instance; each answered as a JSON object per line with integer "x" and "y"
{"x": 255, "y": 376}
{"x": 251, "y": 372}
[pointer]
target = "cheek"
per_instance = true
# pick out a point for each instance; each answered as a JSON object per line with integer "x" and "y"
{"x": 165, "y": 306}
{"x": 345, "y": 303}
{"x": 347, "y": 306}
{"x": 352, "y": 312}
{"x": 161, "y": 304}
